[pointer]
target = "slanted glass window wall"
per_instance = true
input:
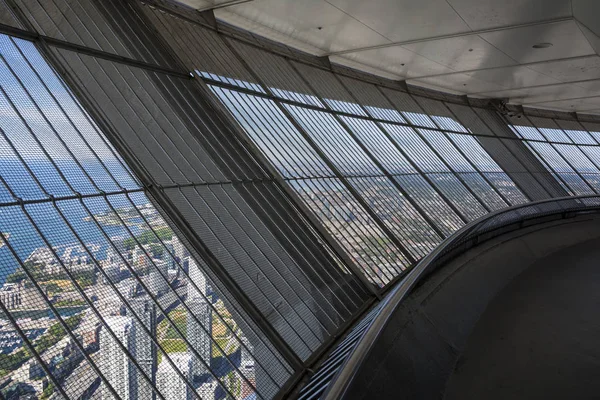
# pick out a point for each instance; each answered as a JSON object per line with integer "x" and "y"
{"x": 98, "y": 296}
{"x": 566, "y": 148}
{"x": 388, "y": 180}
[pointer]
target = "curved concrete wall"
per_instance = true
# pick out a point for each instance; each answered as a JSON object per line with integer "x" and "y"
{"x": 427, "y": 335}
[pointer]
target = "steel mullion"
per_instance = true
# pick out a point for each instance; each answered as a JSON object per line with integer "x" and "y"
{"x": 578, "y": 147}
{"x": 275, "y": 309}
{"x": 345, "y": 182}
{"x": 365, "y": 262}
{"x": 413, "y": 164}
{"x": 61, "y": 44}
{"x": 504, "y": 147}
{"x": 255, "y": 262}
{"x": 284, "y": 142}
{"x": 550, "y": 169}
{"x": 145, "y": 288}
{"x": 370, "y": 156}
{"x": 339, "y": 173}
{"x": 563, "y": 157}
{"x": 179, "y": 221}
{"x": 277, "y": 271}
{"x": 245, "y": 90}
{"x": 425, "y": 176}
{"x": 434, "y": 142}
{"x": 384, "y": 171}
{"x": 297, "y": 201}
{"x": 589, "y": 133}
{"x": 468, "y": 159}
{"x": 413, "y": 202}
{"x": 439, "y": 156}
{"x": 527, "y": 170}
{"x": 377, "y": 256}
{"x": 209, "y": 303}
{"x": 265, "y": 214}
{"x": 303, "y": 134}
{"x": 404, "y": 229}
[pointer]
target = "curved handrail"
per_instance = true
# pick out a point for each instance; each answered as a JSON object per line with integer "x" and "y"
{"x": 470, "y": 232}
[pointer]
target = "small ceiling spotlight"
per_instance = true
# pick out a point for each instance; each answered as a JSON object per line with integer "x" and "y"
{"x": 544, "y": 45}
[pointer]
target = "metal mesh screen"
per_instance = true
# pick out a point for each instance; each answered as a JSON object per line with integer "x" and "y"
{"x": 99, "y": 295}
{"x": 197, "y": 216}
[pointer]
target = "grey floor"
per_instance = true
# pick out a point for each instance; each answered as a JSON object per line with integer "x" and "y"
{"x": 540, "y": 337}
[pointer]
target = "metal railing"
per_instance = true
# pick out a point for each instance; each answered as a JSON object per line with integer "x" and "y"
{"x": 337, "y": 372}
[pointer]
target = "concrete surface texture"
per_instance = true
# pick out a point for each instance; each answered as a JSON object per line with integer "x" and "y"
{"x": 540, "y": 337}
{"x": 516, "y": 317}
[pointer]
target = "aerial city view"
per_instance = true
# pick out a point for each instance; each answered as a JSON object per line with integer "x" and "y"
{"x": 121, "y": 285}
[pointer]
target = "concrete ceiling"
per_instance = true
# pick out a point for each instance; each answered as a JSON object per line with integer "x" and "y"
{"x": 482, "y": 48}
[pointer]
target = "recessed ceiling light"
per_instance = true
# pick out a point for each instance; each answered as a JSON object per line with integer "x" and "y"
{"x": 542, "y": 45}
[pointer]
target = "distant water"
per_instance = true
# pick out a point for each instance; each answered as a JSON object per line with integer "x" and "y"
{"x": 24, "y": 238}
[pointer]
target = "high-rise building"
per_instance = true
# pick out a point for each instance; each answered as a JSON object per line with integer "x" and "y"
{"x": 145, "y": 349}
{"x": 181, "y": 253}
{"x": 115, "y": 364}
{"x": 170, "y": 384}
{"x": 159, "y": 273}
{"x": 199, "y": 329}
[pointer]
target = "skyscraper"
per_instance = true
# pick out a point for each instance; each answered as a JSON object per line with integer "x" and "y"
{"x": 179, "y": 249}
{"x": 145, "y": 349}
{"x": 115, "y": 364}
{"x": 199, "y": 329}
{"x": 169, "y": 382}
{"x": 157, "y": 278}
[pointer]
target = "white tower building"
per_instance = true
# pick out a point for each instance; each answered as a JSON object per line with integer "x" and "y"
{"x": 170, "y": 384}
{"x": 199, "y": 329}
{"x": 115, "y": 364}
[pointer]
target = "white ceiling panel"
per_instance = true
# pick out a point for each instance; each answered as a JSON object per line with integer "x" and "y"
{"x": 462, "y": 83}
{"x": 249, "y": 25}
{"x": 315, "y": 22}
{"x": 462, "y": 53}
{"x": 401, "y": 20}
{"x": 342, "y": 60}
{"x": 566, "y": 38}
{"x": 483, "y": 48}
{"x": 513, "y": 77}
{"x": 542, "y": 94}
{"x": 485, "y": 14}
{"x": 570, "y": 70}
{"x": 587, "y": 104}
{"x": 399, "y": 61}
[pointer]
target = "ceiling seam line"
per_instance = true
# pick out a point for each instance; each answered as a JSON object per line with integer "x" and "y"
{"x": 455, "y": 35}
{"x": 542, "y": 86}
{"x": 507, "y": 66}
